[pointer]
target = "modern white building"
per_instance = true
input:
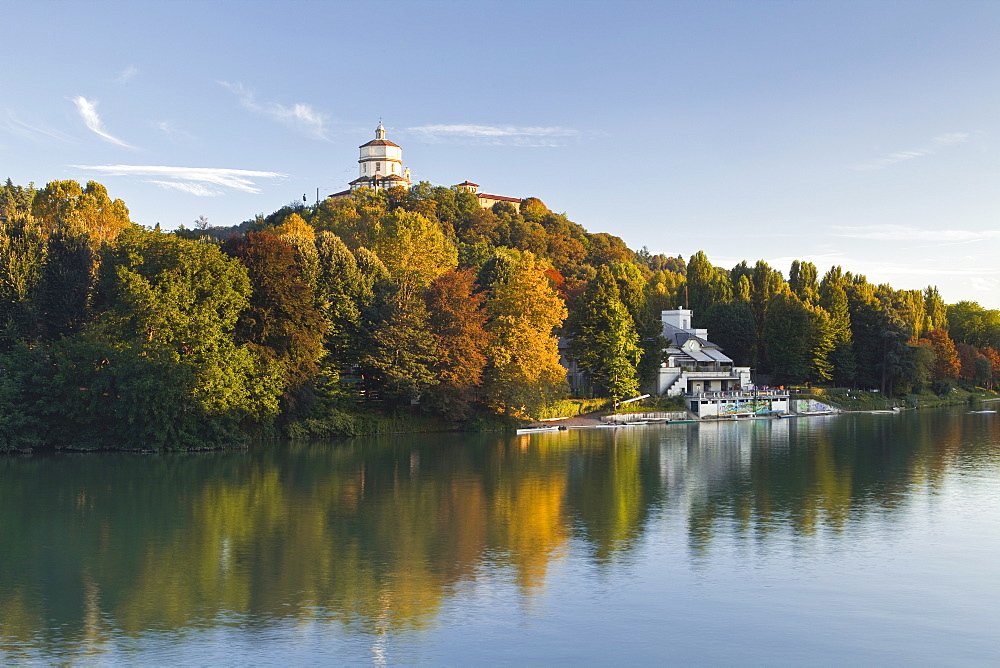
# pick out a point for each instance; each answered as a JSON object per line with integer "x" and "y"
{"x": 697, "y": 369}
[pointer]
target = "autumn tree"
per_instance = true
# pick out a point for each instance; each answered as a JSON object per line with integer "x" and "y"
{"x": 523, "y": 371}
{"x": 947, "y": 364}
{"x": 457, "y": 322}
{"x": 65, "y": 207}
{"x": 967, "y": 358}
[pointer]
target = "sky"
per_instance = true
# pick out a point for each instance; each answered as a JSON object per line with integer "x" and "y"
{"x": 859, "y": 134}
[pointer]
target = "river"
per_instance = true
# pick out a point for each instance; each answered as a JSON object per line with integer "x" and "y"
{"x": 862, "y": 538}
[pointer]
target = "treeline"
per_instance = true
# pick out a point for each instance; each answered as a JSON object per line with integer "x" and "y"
{"x": 311, "y": 320}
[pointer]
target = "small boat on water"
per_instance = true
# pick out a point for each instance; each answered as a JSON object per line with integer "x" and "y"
{"x": 536, "y": 430}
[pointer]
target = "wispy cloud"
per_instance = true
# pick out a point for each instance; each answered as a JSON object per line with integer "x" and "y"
{"x": 200, "y": 181}
{"x": 299, "y": 115}
{"x": 939, "y": 142}
{"x": 127, "y": 75}
{"x": 33, "y": 132}
{"x": 906, "y": 233}
{"x": 496, "y": 134}
{"x": 88, "y": 112}
{"x": 173, "y": 133}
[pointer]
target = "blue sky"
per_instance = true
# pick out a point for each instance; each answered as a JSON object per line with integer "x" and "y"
{"x": 855, "y": 133}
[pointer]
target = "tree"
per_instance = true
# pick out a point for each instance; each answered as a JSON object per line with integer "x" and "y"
{"x": 605, "y": 342}
{"x": 787, "y": 338}
{"x": 947, "y": 364}
{"x": 159, "y": 367}
{"x": 802, "y": 281}
{"x": 62, "y": 299}
{"x": 967, "y": 358}
{"x": 523, "y": 371}
{"x": 833, "y": 299}
{"x": 457, "y": 322}
{"x": 765, "y": 283}
{"x": 414, "y": 250}
{"x": 706, "y": 284}
{"x": 65, "y": 207}
{"x": 731, "y": 326}
{"x": 281, "y": 322}
{"x": 398, "y": 351}
{"x": 23, "y": 252}
{"x": 993, "y": 357}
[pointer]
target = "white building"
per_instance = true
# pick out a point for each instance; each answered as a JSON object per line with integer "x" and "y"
{"x": 380, "y": 165}
{"x": 697, "y": 369}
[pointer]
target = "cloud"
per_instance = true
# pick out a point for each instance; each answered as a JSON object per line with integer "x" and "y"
{"x": 200, "y": 181}
{"x": 941, "y": 141}
{"x": 905, "y": 233}
{"x": 88, "y": 112}
{"x": 172, "y": 131}
{"x": 188, "y": 187}
{"x": 127, "y": 75}
{"x": 34, "y": 132}
{"x": 299, "y": 115}
{"x": 496, "y": 134}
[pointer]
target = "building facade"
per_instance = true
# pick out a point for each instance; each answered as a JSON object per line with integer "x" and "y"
{"x": 380, "y": 165}
{"x": 698, "y": 370}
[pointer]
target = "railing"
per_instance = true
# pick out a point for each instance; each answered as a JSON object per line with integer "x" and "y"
{"x": 738, "y": 394}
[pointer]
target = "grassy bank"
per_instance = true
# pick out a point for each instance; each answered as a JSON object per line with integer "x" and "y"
{"x": 857, "y": 400}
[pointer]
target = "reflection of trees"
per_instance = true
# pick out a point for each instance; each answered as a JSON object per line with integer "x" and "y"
{"x": 370, "y": 534}
{"x": 375, "y": 534}
{"x": 810, "y": 474}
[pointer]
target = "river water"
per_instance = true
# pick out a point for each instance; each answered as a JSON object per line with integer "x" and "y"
{"x": 865, "y": 538}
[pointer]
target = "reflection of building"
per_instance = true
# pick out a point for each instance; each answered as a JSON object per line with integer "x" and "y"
{"x": 698, "y": 369}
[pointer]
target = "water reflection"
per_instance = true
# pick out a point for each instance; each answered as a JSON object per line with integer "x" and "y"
{"x": 375, "y": 536}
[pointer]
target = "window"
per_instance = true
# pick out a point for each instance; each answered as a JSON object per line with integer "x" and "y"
{"x": 378, "y": 166}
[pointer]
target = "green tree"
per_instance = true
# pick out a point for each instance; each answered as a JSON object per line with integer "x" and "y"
{"x": 605, "y": 342}
{"x": 281, "y": 322}
{"x": 732, "y": 328}
{"x": 414, "y": 250}
{"x": 833, "y": 299}
{"x": 706, "y": 284}
{"x": 787, "y": 338}
{"x": 802, "y": 281}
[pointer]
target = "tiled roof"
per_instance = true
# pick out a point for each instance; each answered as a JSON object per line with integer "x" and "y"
{"x": 379, "y": 142}
{"x": 499, "y": 197}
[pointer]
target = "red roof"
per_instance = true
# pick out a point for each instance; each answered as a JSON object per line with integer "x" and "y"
{"x": 379, "y": 142}
{"x": 499, "y": 197}
{"x": 468, "y": 183}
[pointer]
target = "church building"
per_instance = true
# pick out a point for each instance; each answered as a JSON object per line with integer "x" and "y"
{"x": 381, "y": 166}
